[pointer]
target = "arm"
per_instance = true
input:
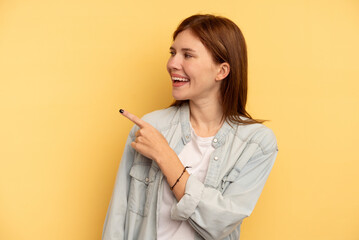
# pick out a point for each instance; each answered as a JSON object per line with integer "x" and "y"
{"x": 114, "y": 226}
{"x": 213, "y": 214}
{"x": 152, "y": 144}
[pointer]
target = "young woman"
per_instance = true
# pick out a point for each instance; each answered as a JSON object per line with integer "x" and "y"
{"x": 196, "y": 169}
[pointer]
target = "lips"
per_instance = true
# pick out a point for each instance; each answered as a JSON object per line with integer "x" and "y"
{"x": 178, "y": 80}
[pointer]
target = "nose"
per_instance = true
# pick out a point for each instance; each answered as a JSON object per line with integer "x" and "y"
{"x": 174, "y": 63}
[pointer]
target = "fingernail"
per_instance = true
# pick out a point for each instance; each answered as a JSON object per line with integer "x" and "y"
{"x": 121, "y": 110}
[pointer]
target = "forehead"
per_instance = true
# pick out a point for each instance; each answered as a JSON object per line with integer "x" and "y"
{"x": 187, "y": 39}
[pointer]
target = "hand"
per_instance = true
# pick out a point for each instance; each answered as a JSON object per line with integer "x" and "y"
{"x": 149, "y": 141}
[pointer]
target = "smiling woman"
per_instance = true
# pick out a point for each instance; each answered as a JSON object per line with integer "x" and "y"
{"x": 196, "y": 169}
{"x": 195, "y": 76}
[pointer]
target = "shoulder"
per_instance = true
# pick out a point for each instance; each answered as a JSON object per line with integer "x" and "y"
{"x": 163, "y": 118}
{"x": 259, "y": 134}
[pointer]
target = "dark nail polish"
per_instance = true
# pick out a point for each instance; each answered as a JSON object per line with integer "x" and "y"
{"x": 121, "y": 110}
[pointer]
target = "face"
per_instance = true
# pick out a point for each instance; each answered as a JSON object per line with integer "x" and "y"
{"x": 194, "y": 74}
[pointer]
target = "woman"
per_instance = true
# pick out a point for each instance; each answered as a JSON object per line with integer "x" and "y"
{"x": 196, "y": 169}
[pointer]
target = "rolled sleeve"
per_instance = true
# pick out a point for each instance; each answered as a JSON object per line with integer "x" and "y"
{"x": 182, "y": 210}
{"x": 214, "y": 214}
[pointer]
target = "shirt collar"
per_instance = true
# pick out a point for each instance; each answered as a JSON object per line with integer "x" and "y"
{"x": 218, "y": 140}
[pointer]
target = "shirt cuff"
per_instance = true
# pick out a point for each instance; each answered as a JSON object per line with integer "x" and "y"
{"x": 182, "y": 210}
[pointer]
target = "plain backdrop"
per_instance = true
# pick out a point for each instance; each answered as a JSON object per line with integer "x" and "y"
{"x": 66, "y": 67}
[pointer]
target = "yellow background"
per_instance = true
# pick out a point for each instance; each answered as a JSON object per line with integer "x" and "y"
{"x": 66, "y": 67}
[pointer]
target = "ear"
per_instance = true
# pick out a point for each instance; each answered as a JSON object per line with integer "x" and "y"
{"x": 223, "y": 71}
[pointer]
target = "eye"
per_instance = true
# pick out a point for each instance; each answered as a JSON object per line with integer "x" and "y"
{"x": 172, "y": 53}
{"x": 186, "y": 55}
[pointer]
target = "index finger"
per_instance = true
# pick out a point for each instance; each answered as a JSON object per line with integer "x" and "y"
{"x": 133, "y": 118}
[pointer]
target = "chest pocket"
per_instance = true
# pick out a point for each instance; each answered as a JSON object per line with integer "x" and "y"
{"x": 141, "y": 188}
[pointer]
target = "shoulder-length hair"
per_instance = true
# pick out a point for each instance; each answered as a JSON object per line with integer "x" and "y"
{"x": 226, "y": 43}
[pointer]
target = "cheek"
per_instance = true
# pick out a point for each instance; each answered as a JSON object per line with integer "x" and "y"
{"x": 200, "y": 72}
{"x": 192, "y": 70}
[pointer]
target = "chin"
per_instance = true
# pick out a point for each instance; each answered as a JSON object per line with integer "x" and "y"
{"x": 179, "y": 97}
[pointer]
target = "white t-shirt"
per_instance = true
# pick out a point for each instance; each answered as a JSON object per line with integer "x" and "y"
{"x": 196, "y": 154}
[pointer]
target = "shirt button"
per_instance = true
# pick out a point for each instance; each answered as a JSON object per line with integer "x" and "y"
{"x": 216, "y": 158}
{"x": 147, "y": 180}
{"x": 187, "y": 137}
{"x": 215, "y": 140}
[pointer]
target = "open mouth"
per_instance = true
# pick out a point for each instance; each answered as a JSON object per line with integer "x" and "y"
{"x": 179, "y": 79}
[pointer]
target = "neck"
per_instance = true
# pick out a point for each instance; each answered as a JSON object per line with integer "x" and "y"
{"x": 206, "y": 117}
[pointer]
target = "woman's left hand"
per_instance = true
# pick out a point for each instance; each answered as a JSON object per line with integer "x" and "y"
{"x": 149, "y": 141}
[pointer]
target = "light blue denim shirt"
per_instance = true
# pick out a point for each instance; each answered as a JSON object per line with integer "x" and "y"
{"x": 237, "y": 171}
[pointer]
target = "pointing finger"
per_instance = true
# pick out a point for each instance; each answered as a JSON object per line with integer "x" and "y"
{"x": 136, "y": 120}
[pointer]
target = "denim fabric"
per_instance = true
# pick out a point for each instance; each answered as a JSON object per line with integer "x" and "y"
{"x": 238, "y": 169}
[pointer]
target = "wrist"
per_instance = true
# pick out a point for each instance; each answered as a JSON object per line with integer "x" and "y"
{"x": 178, "y": 179}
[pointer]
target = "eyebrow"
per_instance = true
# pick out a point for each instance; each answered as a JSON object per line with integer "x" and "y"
{"x": 184, "y": 49}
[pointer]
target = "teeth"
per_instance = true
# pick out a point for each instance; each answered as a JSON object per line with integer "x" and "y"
{"x": 180, "y": 79}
